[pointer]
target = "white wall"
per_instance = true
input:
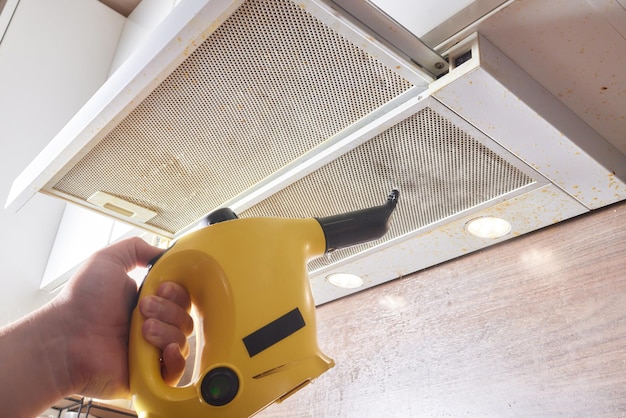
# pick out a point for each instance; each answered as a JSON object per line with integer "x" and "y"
{"x": 53, "y": 57}
{"x": 81, "y": 231}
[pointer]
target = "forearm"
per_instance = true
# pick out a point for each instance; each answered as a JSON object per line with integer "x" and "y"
{"x": 33, "y": 364}
{"x": 78, "y": 343}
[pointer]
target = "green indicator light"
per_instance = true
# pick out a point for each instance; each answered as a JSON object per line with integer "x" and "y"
{"x": 219, "y": 386}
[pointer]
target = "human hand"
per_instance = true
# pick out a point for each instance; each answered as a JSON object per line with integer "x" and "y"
{"x": 166, "y": 326}
{"x": 97, "y": 305}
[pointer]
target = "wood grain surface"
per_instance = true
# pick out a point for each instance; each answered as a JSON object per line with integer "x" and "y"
{"x": 534, "y": 327}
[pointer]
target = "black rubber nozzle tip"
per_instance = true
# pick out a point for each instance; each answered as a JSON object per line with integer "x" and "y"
{"x": 359, "y": 226}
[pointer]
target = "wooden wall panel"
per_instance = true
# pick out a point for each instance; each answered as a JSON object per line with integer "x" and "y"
{"x": 532, "y": 327}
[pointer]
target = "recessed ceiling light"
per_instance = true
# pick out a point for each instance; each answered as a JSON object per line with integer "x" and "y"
{"x": 345, "y": 280}
{"x": 488, "y": 227}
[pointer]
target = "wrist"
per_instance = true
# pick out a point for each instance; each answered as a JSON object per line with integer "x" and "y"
{"x": 56, "y": 348}
{"x": 33, "y": 356}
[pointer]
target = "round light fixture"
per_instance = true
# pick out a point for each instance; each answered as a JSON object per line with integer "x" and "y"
{"x": 345, "y": 280}
{"x": 488, "y": 227}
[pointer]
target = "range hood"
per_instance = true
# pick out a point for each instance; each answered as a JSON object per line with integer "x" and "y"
{"x": 281, "y": 108}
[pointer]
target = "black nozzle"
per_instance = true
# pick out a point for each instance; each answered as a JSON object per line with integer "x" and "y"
{"x": 359, "y": 226}
{"x": 220, "y": 215}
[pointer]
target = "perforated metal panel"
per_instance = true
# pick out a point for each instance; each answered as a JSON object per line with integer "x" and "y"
{"x": 439, "y": 169}
{"x": 270, "y": 84}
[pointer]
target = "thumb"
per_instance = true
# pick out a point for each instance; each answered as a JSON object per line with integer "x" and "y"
{"x": 132, "y": 252}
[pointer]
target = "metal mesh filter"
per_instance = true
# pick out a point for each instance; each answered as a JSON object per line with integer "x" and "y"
{"x": 270, "y": 84}
{"x": 439, "y": 169}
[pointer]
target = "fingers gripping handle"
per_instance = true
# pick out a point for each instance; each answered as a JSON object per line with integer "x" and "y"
{"x": 152, "y": 396}
{"x": 146, "y": 383}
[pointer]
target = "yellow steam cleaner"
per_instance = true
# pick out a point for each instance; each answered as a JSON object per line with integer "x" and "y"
{"x": 255, "y": 324}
